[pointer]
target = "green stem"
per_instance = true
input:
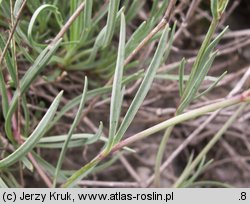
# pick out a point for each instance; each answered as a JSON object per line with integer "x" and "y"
{"x": 160, "y": 154}
{"x": 196, "y": 65}
{"x": 244, "y": 97}
{"x": 204, "y": 45}
{"x": 78, "y": 175}
{"x": 205, "y": 150}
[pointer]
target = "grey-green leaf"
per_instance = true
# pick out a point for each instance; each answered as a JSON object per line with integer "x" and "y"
{"x": 31, "y": 142}
{"x": 212, "y": 85}
{"x": 196, "y": 84}
{"x": 41, "y": 61}
{"x": 214, "y": 8}
{"x": 5, "y": 103}
{"x": 113, "y": 10}
{"x": 9, "y": 62}
{"x": 72, "y": 129}
{"x": 95, "y": 137}
{"x": 2, "y": 183}
{"x": 145, "y": 85}
{"x": 181, "y": 76}
{"x": 87, "y": 14}
{"x": 117, "y": 84}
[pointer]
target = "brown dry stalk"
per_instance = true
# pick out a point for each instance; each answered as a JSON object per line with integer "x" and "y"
{"x": 40, "y": 171}
{"x": 163, "y": 22}
{"x": 65, "y": 28}
{"x": 12, "y": 32}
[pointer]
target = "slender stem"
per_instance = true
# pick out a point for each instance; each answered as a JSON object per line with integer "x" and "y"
{"x": 244, "y": 97}
{"x": 206, "y": 42}
{"x": 84, "y": 170}
{"x": 12, "y": 31}
{"x": 159, "y": 26}
{"x": 195, "y": 66}
{"x": 160, "y": 154}
{"x": 70, "y": 133}
{"x": 68, "y": 23}
{"x": 17, "y": 116}
{"x": 211, "y": 143}
{"x": 40, "y": 171}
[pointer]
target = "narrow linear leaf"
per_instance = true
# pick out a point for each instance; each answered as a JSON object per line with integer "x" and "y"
{"x": 97, "y": 45}
{"x": 113, "y": 10}
{"x": 209, "y": 184}
{"x": 175, "y": 77}
{"x": 73, "y": 30}
{"x": 210, "y": 49}
{"x": 77, "y": 140}
{"x": 9, "y": 62}
{"x": 10, "y": 180}
{"x": 159, "y": 12}
{"x": 181, "y": 76}
{"x": 27, "y": 164}
{"x": 2, "y": 183}
{"x": 214, "y": 8}
{"x": 62, "y": 138}
{"x": 59, "y": 145}
{"x": 170, "y": 42}
{"x": 200, "y": 59}
{"x": 34, "y": 17}
{"x": 100, "y": 168}
{"x": 87, "y": 21}
{"x": 210, "y": 144}
{"x": 81, "y": 173}
{"x": 198, "y": 67}
{"x": 74, "y": 102}
{"x": 72, "y": 129}
{"x": 27, "y": 79}
{"x": 5, "y": 8}
{"x": 133, "y": 10}
{"x": 135, "y": 39}
{"x": 145, "y": 85}
{"x": 97, "y": 136}
{"x": 212, "y": 85}
{"x": 190, "y": 159}
{"x": 49, "y": 168}
{"x": 77, "y": 27}
{"x": 26, "y": 116}
{"x": 201, "y": 168}
{"x": 196, "y": 84}
{"x": 154, "y": 7}
{"x": 17, "y": 7}
{"x": 39, "y": 63}
{"x": 190, "y": 180}
{"x": 5, "y": 103}
{"x": 100, "y": 38}
{"x": 119, "y": 104}
{"x": 117, "y": 84}
{"x": 98, "y": 16}
{"x": 222, "y": 6}
{"x": 31, "y": 142}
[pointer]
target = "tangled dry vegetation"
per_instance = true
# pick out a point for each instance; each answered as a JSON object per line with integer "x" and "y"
{"x": 121, "y": 47}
